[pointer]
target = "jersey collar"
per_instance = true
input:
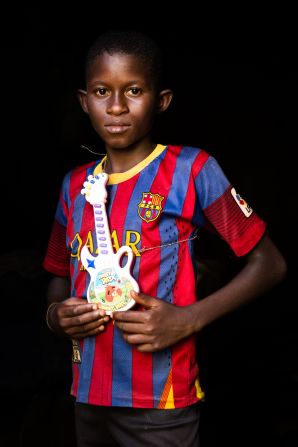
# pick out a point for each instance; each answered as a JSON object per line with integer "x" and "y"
{"x": 120, "y": 177}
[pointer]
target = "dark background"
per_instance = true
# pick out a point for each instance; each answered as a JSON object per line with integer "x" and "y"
{"x": 234, "y": 97}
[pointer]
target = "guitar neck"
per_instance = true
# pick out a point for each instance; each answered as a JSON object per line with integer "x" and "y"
{"x": 103, "y": 236}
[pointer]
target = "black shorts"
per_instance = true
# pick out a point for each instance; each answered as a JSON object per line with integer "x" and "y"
{"x": 136, "y": 427}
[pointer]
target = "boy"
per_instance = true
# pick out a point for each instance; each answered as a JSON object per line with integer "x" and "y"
{"x": 135, "y": 375}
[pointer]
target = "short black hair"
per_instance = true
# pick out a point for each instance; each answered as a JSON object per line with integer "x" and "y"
{"x": 129, "y": 42}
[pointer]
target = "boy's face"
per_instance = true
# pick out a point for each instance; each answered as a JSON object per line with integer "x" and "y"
{"x": 121, "y": 100}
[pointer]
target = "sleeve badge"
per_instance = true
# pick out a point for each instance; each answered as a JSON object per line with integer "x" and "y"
{"x": 243, "y": 205}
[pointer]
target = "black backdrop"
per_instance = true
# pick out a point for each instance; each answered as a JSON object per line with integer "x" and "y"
{"x": 235, "y": 98}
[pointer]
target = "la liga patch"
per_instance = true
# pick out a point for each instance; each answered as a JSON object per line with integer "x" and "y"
{"x": 243, "y": 205}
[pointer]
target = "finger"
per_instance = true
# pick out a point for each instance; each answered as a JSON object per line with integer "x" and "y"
{"x": 131, "y": 328}
{"x": 70, "y": 311}
{"x": 89, "y": 333}
{"x": 87, "y": 318}
{"x": 85, "y": 329}
{"x": 146, "y": 347}
{"x": 84, "y": 308}
{"x": 80, "y": 302}
{"x": 75, "y": 301}
{"x": 145, "y": 300}
{"x": 132, "y": 316}
{"x": 136, "y": 339}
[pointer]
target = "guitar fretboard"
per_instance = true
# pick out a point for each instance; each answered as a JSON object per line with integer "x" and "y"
{"x": 103, "y": 237}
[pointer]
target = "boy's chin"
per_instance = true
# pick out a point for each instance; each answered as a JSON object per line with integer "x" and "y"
{"x": 119, "y": 144}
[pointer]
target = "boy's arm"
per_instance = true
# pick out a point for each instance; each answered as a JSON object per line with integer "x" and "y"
{"x": 161, "y": 324}
{"x": 72, "y": 317}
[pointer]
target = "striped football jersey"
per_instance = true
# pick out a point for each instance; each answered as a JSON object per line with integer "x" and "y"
{"x": 156, "y": 208}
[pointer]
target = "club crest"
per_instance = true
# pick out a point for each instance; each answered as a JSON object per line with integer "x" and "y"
{"x": 150, "y": 206}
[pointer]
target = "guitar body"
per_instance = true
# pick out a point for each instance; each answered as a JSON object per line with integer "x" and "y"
{"x": 110, "y": 282}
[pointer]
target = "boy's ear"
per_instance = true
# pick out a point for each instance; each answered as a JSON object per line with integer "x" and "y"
{"x": 164, "y": 100}
{"x": 82, "y": 97}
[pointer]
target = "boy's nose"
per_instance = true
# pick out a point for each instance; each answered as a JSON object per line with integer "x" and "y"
{"x": 117, "y": 105}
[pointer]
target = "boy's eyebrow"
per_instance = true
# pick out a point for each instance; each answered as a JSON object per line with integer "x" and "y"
{"x": 133, "y": 81}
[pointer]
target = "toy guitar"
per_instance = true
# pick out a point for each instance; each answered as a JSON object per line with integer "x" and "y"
{"x": 110, "y": 283}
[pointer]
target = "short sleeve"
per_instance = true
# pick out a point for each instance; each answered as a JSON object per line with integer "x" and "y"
{"x": 56, "y": 260}
{"x": 226, "y": 210}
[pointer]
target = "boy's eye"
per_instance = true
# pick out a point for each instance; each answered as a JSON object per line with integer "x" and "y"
{"x": 135, "y": 91}
{"x": 102, "y": 91}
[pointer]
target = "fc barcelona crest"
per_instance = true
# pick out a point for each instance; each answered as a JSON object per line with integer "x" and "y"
{"x": 150, "y": 206}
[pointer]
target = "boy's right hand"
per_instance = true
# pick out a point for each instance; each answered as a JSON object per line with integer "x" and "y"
{"x": 76, "y": 318}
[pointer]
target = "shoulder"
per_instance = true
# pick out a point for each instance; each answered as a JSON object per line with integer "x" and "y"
{"x": 181, "y": 149}
{"x": 81, "y": 171}
{"x": 75, "y": 177}
{"x": 189, "y": 158}
{"x": 199, "y": 163}
{"x": 188, "y": 152}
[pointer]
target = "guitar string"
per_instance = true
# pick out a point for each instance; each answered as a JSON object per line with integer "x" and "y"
{"x": 169, "y": 244}
{"x": 103, "y": 165}
{"x": 142, "y": 250}
{"x": 83, "y": 146}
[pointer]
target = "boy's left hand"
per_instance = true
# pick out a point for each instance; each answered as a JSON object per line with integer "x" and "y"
{"x": 158, "y": 326}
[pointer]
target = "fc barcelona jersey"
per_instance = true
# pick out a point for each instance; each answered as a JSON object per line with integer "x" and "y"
{"x": 156, "y": 208}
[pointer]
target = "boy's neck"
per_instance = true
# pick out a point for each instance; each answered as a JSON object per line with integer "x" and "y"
{"x": 123, "y": 160}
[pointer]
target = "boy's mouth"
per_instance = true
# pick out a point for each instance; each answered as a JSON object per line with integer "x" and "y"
{"x": 117, "y": 128}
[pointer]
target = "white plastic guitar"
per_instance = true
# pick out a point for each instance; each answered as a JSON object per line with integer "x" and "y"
{"x": 110, "y": 283}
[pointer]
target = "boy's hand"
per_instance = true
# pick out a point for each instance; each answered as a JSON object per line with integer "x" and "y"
{"x": 77, "y": 318}
{"x": 158, "y": 326}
